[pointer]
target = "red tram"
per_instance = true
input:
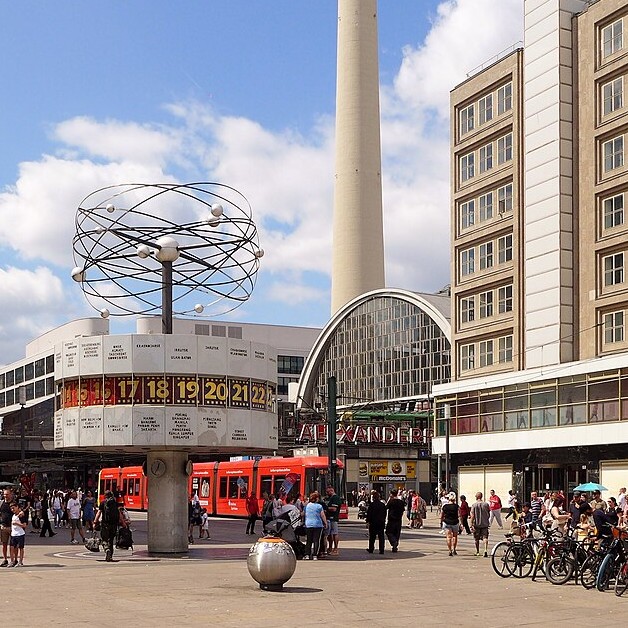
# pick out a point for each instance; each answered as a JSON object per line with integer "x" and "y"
{"x": 222, "y": 487}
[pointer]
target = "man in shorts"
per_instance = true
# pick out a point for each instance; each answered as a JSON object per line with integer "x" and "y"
{"x": 332, "y": 512}
{"x": 5, "y": 521}
{"x": 74, "y": 517}
{"x": 480, "y": 518}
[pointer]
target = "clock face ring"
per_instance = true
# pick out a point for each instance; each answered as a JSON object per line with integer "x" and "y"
{"x": 157, "y": 467}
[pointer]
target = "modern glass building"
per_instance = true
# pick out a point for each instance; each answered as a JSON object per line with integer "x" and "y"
{"x": 386, "y": 349}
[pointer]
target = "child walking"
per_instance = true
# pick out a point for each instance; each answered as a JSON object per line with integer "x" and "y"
{"x": 204, "y": 524}
{"x": 18, "y": 536}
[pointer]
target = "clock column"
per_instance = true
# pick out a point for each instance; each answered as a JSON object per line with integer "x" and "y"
{"x": 167, "y": 501}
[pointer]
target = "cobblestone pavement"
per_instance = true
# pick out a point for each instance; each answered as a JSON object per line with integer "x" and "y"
{"x": 64, "y": 584}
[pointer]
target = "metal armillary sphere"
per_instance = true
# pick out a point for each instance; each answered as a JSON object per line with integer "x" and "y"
{"x": 145, "y": 248}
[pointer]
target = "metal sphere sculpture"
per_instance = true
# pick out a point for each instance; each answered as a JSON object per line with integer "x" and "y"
{"x": 133, "y": 240}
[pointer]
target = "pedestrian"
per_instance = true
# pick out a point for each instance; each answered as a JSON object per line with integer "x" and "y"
{"x": 267, "y": 510}
{"x": 110, "y": 515}
{"x": 194, "y": 517}
{"x": 512, "y": 498}
{"x": 536, "y": 506}
{"x": 463, "y": 513}
{"x": 480, "y": 519}
{"x": 18, "y": 535}
{"x": 57, "y": 504}
{"x": 495, "y": 505}
{"x": 332, "y": 512}
{"x": 45, "y": 516}
{"x": 376, "y": 521}
{"x": 395, "y": 508}
{"x": 252, "y": 509}
{"x": 204, "y": 524}
{"x": 6, "y": 516}
{"x": 89, "y": 513}
{"x": 73, "y": 510}
{"x": 450, "y": 519}
{"x": 315, "y": 522}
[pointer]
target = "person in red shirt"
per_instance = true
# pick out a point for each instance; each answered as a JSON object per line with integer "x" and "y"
{"x": 252, "y": 507}
{"x": 495, "y": 506}
{"x": 463, "y": 513}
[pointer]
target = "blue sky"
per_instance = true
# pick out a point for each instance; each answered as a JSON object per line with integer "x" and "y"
{"x": 236, "y": 91}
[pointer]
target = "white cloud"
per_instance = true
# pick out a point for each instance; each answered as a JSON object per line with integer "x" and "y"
{"x": 287, "y": 176}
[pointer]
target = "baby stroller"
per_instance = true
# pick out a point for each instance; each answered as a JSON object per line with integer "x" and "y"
{"x": 283, "y": 529}
{"x": 362, "y": 508}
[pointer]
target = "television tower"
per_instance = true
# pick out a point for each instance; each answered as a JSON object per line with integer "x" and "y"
{"x": 358, "y": 233}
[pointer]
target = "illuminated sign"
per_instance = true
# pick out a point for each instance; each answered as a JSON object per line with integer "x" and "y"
{"x": 175, "y": 390}
{"x": 367, "y": 434}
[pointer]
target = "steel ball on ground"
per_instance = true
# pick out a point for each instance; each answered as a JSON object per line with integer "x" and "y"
{"x": 271, "y": 563}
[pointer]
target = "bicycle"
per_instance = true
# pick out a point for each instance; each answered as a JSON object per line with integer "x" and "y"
{"x": 621, "y": 580}
{"x": 614, "y": 559}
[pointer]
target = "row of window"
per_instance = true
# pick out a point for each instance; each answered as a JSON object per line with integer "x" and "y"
{"x": 495, "y": 153}
{"x": 486, "y": 255}
{"x": 34, "y": 390}
{"x": 485, "y": 206}
{"x": 613, "y": 211}
{"x": 614, "y": 327}
{"x": 290, "y": 364}
{"x": 612, "y": 39}
{"x": 485, "y": 353}
{"x": 486, "y": 304}
{"x": 27, "y": 372}
{"x": 486, "y": 108}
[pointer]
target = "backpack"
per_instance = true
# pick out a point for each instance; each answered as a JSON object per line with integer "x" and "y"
{"x": 110, "y": 513}
{"x": 125, "y": 539}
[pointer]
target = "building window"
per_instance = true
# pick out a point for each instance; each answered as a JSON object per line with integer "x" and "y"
{"x": 467, "y": 214}
{"x": 467, "y": 167}
{"x": 486, "y": 206}
{"x": 486, "y": 353}
{"x": 486, "y": 255}
{"x": 505, "y": 349}
{"x": 504, "y": 149}
{"x": 504, "y": 299}
{"x": 504, "y": 98}
{"x": 614, "y": 211}
{"x": 486, "y": 157}
{"x": 486, "y": 304}
{"x": 467, "y": 261}
{"x": 504, "y": 249}
{"x": 504, "y": 199}
{"x": 614, "y": 327}
{"x": 614, "y": 269}
{"x": 485, "y": 107}
{"x": 467, "y": 309}
{"x": 612, "y": 38}
{"x": 614, "y": 153}
{"x": 467, "y": 357}
{"x": 290, "y": 364}
{"x": 613, "y": 95}
{"x": 466, "y": 119}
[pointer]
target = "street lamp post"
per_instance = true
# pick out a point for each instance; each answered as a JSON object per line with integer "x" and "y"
{"x": 332, "y": 392}
{"x": 21, "y": 395}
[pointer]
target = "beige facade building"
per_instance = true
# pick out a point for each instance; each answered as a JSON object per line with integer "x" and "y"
{"x": 539, "y": 391}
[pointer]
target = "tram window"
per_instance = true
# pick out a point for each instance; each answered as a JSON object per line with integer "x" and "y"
{"x": 223, "y": 488}
{"x": 278, "y": 482}
{"x": 131, "y": 487}
{"x": 101, "y": 490}
{"x": 266, "y": 485}
{"x": 137, "y": 486}
{"x": 233, "y": 488}
{"x": 125, "y": 484}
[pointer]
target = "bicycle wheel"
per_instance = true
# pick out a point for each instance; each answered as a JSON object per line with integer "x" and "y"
{"x": 589, "y": 569}
{"x": 621, "y": 580}
{"x": 604, "y": 573}
{"x": 519, "y": 560}
{"x": 497, "y": 559}
{"x": 559, "y": 569}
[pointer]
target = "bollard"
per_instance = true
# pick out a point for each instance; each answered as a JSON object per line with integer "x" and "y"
{"x": 271, "y": 563}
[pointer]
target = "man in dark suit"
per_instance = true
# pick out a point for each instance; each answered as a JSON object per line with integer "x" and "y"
{"x": 376, "y": 520}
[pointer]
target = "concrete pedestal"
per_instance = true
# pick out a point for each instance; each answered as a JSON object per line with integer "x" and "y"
{"x": 167, "y": 502}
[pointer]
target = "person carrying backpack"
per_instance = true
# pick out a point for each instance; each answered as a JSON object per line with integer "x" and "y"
{"x": 109, "y": 517}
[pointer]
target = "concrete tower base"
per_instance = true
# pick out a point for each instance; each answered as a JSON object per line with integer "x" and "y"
{"x": 167, "y": 502}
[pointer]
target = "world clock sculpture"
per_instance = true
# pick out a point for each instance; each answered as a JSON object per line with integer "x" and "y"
{"x": 166, "y": 248}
